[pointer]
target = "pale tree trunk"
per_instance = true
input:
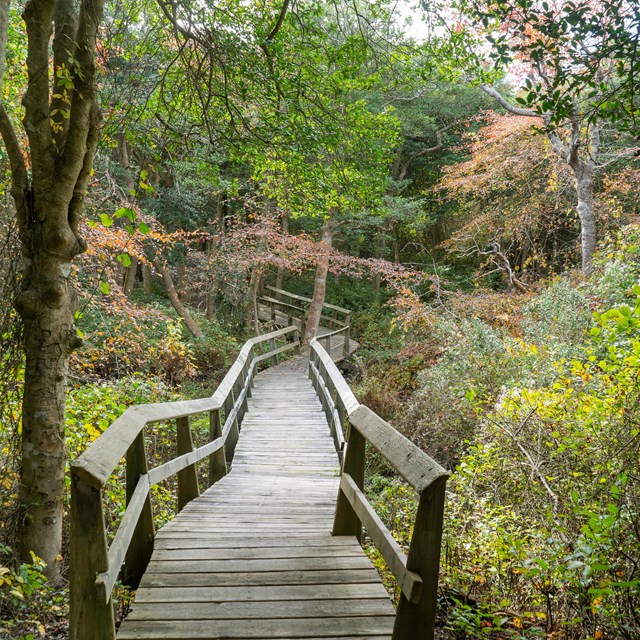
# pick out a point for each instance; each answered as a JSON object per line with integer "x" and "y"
{"x": 320, "y": 284}
{"x": 252, "y": 317}
{"x": 395, "y": 241}
{"x": 377, "y": 279}
{"x": 583, "y": 174}
{"x": 210, "y": 312}
{"x": 181, "y": 310}
{"x": 48, "y": 199}
{"x": 212, "y": 289}
{"x": 257, "y": 273}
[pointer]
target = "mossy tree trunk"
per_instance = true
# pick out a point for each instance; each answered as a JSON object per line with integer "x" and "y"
{"x": 61, "y": 124}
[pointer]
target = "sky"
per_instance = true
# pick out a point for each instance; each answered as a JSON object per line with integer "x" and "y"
{"x": 409, "y": 10}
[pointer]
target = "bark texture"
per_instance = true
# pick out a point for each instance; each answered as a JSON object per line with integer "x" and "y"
{"x": 320, "y": 284}
{"x": 62, "y": 130}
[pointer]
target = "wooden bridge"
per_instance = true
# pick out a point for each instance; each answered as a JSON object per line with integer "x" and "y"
{"x": 271, "y": 549}
{"x": 284, "y": 309}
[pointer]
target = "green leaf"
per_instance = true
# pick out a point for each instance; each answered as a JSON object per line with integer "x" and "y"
{"x": 105, "y": 288}
{"x": 126, "y": 213}
{"x": 106, "y": 220}
{"x": 124, "y": 259}
{"x": 144, "y": 228}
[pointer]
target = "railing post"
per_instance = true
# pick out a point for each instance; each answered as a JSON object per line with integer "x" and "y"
{"x": 234, "y": 432}
{"x": 217, "y": 460}
{"x": 323, "y": 400}
{"x": 251, "y": 382}
{"x": 244, "y": 406}
{"x": 295, "y": 337}
{"x": 347, "y": 339}
{"x": 312, "y": 362}
{"x": 347, "y": 522}
{"x": 342, "y": 412}
{"x": 248, "y": 384}
{"x": 418, "y": 620}
{"x": 141, "y": 547}
{"x": 272, "y": 347}
{"x": 188, "y": 488}
{"x": 90, "y": 618}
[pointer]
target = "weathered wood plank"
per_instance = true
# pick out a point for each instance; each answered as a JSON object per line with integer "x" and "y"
{"x": 261, "y": 593}
{"x": 273, "y": 628}
{"x": 264, "y": 610}
{"x": 265, "y": 578}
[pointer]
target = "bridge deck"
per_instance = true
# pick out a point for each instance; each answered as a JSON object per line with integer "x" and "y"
{"x": 253, "y": 557}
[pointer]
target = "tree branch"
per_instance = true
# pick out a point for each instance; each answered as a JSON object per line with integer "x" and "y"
{"x": 518, "y": 111}
{"x": 404, "y": 168}
{"x": 278, "y": 24}
{"x": 38, "y": 17}
{"x": 82, "y": 119}
{"x": 64, "y": 51}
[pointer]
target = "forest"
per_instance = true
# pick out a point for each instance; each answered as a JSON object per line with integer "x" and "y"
{"x": 462, "y": 177}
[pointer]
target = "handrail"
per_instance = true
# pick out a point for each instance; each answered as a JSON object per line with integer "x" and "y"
{"x": 346, "y": 345}
{"x": 333, "y": 311}
{"x": 95, "y": 566}
{"x": 305, "y": 299}
{"x": 416, "y": 573}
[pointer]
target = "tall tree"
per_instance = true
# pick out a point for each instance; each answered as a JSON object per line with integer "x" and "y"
{"x": 577, "y": 61}
{"x": 49, "y": 178}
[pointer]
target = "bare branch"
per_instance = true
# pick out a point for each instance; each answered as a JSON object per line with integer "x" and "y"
{"x": 518, "y": 111}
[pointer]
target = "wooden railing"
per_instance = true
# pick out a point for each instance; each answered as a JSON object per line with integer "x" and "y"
{"x": 294, "y": 306}
{"x": 416, "y": 573}
{"x": 95, "y": 566}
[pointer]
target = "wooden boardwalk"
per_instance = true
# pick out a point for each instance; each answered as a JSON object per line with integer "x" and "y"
{"x": 253, "y": 556}
{"x": 271, "y": 549}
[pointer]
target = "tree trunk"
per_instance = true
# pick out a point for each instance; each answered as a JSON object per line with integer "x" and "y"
{"x": 583, "y": 174}
{"x": 183, "y": 290}
{"x": 49, "y": 178}
{"x": 146, "y": 279}
{"x": 396, "y": 241}
{"x": 280, "y": 273}
{"x": 320, "y": 285}
{"x": 47, "y": 305}
{"x": 210, "y": 312}
{"x": 181, "y": 310}
{"x": 130, "y": 277}
{"x": 127, "y": 274}
{"x": 252, "y": 318}
{"x": 377, "y": 278}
